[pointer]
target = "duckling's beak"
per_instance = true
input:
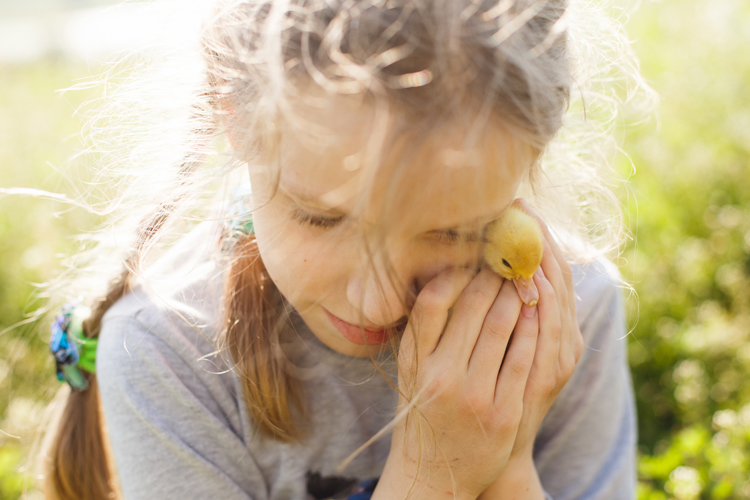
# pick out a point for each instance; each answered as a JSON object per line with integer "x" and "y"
{"x": 527, "y": 290}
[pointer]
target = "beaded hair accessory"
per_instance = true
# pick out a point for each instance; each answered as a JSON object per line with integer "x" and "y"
{"x": 72, "y": 351}
{"x": 240, "y": 219}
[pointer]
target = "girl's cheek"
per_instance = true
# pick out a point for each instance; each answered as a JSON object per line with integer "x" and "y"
{"x": 299, "y": 259}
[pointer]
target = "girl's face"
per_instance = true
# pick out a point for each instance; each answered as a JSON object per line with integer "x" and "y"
{"x": 351, "y": 242}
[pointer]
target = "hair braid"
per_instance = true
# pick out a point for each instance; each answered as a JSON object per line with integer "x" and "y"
{"x": 78, "y": 466}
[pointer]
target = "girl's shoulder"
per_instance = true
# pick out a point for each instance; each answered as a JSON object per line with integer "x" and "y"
{"x": 171, "y": 405}
{"x": 187, "y": 327}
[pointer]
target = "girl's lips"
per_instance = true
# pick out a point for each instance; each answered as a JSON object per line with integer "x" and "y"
{"x": 353, "y": 333}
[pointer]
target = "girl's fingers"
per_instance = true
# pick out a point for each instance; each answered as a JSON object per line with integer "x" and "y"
{"x": 569, "y": 335}
{"x": 511, "y": 383}
{"x": 469, "y": 313}
{"x": 550, "y": 324}
{"x": 430, "y": 312}
{"x": 490, "y": 348}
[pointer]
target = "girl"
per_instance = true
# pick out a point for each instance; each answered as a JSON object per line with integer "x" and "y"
{"x": 335, "y": 334}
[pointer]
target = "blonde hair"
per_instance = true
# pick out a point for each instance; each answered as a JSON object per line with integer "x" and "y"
{"x": 557, "y": 73}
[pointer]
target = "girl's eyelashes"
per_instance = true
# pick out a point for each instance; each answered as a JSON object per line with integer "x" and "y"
{"x": 319, "y": 221}
{"x": 448, "y": 235}
{"x": 455, "y": 236}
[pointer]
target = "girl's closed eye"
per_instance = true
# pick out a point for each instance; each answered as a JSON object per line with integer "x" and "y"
{"x": 452, "y": 236}
{"x": 320, "y": 221}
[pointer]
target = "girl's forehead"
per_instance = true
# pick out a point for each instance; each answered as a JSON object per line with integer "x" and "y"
{"x": 450, "y": 174}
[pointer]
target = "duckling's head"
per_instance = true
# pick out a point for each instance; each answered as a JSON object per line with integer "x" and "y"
{"x": 513, "y": 249}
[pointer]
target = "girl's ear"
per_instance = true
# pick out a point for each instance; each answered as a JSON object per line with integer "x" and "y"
{"x": 226, "y": 113}
{"x": 223, "y": 108}
{"x": 240, "y": 137}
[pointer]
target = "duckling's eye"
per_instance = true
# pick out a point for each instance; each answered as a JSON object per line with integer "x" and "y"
{"x": 506, "y": 263}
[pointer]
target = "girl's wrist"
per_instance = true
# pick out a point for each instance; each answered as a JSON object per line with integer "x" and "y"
{"x": 397, "y": 480}
{"x": 518, "y": 481}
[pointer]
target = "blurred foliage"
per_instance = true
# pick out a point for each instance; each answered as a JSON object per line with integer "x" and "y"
{"x": 689, "y": 207}
{"x": 690, "y": 212}
{"x": 38, "y": 133}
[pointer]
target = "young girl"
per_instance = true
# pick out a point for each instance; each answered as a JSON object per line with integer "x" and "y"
{"x": 333, "y": 332}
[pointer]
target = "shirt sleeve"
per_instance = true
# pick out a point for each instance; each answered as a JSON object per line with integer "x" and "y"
{"x": 586, "y": 446}
{"x": 172, "y": 427}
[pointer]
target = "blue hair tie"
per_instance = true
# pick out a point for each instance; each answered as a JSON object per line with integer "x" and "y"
{"x": 72, "y": 351}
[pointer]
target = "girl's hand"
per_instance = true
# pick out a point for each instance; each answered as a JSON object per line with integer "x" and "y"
{"x": 558, "y": 349}
{"x": 466, "y": 416}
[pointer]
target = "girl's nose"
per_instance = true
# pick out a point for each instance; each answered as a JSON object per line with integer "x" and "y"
{"x": 383, "y": 297}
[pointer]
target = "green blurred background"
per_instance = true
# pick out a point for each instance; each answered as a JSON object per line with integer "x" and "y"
{"x": 688, "y": 205}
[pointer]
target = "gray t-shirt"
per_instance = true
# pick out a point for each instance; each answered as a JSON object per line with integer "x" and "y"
{"x": 180, "y": 429}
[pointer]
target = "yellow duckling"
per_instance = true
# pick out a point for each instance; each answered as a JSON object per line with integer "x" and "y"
{"x": 513, "y": 249}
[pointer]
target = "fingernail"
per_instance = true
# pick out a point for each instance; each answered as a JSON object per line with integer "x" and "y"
{"x": 527, "y": 311}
